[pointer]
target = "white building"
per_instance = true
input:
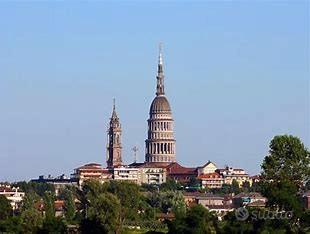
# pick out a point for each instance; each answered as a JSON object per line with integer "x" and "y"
{"x": 13, "y": 195}
{"x": 125, "y": 173}
{"x": 208, "y": 168}
{"x": 229, "y": 174}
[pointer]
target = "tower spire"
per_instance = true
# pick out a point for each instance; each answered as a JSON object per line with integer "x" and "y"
{"x": 160, "y": 90}
{"x": 114, "y": 145}
{"x": 114, "y": 115}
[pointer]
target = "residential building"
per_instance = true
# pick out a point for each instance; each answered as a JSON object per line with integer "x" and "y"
{"x": 14, "y": 195}
{"x": 220, "y": 204}
{"x": 208, "y": 168}
{"x": 91, "y": 171}
{"x": 59, "y": 182}
{"x": 151, "y": 173}
{"x": 179, "y": 173}
{"x": 211, "y": 180}
{"x": 253, "y": 199}
{"x": 229, "y": 174}
{"x": 126, "y": 173}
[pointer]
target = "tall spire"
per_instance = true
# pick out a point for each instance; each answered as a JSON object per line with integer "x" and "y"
{"x": 114, "y": 115}
{"x": 160, "y": 89}
{"x": 114, "y": 146}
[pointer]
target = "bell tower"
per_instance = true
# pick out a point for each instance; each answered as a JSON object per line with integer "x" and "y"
{"x": 114, "y": 145}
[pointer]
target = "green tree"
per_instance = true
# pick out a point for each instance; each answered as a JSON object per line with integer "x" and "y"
{"x": 129, "y": 196}
{"x": 246, "y": 187}
{"x": 70, "y": 207}
{"x": 38, "y": 187}
{"x": 31, "y": 220}
{"x": 285, "y": 172}
{"x": 235, "y": 187}
{"x": 49, "y": 206}
{"x": 5, "y": 208}
{"x": 170, "y": 184}
{"x": 54, "y": 225}
{"x": 288, "y": 160}
{"x": 197, "y": 220}
{"x": 168, "y": 201}
{"x": 10, "y": 225}
{"x": 29, "y": 201}
{"x": 102, "y": 214}
{"x": 231, "y": 225}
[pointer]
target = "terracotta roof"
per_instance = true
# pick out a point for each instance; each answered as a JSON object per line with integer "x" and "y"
{"x": 59, "y": 204}
{"x": 210, "y": 175}
{"x": 165, "y": 216}
{"x": 91, "y": 166}
{"x": 175, "y": 168}
{"x": 6, "y": 189}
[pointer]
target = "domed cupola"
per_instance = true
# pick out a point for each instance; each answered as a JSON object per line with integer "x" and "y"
{"x": 160, "y": 143}
{"x": 159, "y": 105}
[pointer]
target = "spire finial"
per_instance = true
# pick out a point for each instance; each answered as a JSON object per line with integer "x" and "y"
{"x": 160, "y": 53}
{"x": 114, "y": 115}
{"x": 160, "y": 73}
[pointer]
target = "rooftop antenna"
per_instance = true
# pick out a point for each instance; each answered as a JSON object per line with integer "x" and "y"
{"x": 135, "y": 149}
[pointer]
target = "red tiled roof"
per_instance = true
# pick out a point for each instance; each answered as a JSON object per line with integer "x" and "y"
{"x": 6, "y": 189}
{"x": 165, "y": 216}
{"x": 59, "y": 204}
{"x": 210, "y": 175}
{"x": 95, "y": 166}
{"x": 177, "y": 169}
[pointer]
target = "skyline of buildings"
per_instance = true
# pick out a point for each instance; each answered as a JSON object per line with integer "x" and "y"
{"x": 232, "y": 86}
{"x": 160, "y": 163}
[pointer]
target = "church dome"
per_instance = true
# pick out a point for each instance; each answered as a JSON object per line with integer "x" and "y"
{"x": 160, "y": 104}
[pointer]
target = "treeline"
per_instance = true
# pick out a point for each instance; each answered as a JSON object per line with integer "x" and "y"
{"x": 121, "y": 207}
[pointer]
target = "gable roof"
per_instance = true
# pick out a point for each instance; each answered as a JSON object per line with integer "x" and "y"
{"x": 208, "y": 163}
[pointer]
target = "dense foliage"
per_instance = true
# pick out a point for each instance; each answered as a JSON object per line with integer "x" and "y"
{"x": 123, "y": 207}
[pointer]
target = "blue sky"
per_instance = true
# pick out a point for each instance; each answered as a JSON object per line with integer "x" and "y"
{"x": 237, "y": 74}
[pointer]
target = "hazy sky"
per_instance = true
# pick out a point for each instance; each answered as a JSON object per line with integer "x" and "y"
{"x": 236, "y": 74}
